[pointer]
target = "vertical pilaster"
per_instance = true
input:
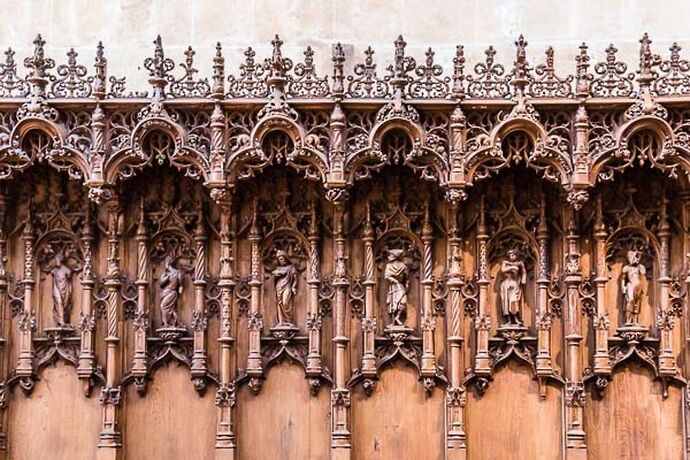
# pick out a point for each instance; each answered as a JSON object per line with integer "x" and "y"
{"x": 428, "y": 361}
{"x": 574, "y": 387}
{"x": 340, "y": 395}
{"x": 5, "y": 323}
{"x": 544, "y": 320}
{"x": 27, "y": 321}
{"x": 314, "y": 321}
{"x": 141, "y": 320}
{"x": 369, "y": 320}
{"x": 226, "y": 393}
{"x": 87, "y": 324}
{"x": 601, "y": 323}
{"x": 456, "y": 395}
{"x": 255, "y": 318}
{"x": 483, "y": 320}
{"x": 665, "y": 320}
{"x": 199, "y": 368}
{"x": 110, "y": 445}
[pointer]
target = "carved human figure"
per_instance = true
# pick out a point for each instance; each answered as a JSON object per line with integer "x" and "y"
{"x": 514, "y": 278}
{"x": 396, "y": 273}
{"x": 631, "y": 285}
{"x": 285, "y": 280}
{"x": 62, "y": 289}
{"x": 171, "y": 287}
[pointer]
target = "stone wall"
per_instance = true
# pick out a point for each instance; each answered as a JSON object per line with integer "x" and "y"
{"x": 127, "y": 28}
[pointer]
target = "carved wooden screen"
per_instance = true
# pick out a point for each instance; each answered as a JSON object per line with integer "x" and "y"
{"x": 403, "y": 263}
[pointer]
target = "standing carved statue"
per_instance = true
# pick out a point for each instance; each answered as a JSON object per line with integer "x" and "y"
{"x": 631, "y": 285}
{"x": 285, "y": 279}
{"x": 171, "y": 288}
{"x": 514, "y": 279}
{"x": 396, "y": 273}
{"x": 62, "y": 289}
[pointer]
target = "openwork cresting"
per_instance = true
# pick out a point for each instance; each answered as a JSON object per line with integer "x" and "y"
{"x": 457, "y": 120}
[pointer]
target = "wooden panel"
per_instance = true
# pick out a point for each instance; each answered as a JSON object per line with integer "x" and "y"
{"x": 171, "y": 421}
{"x": 512, "y": 422}
{"x": 33, "y": 429}
{"x": 382, "y": 430}
{"x": 284, "y": 419}
{"x": 633, "y": 421}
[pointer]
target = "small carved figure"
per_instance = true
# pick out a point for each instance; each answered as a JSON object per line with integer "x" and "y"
{"x": 171, "y": 288}
{"x": 396, "y": 273}
{"x": 631, "y": 285}
{"x": 514, "y": 278}
{"x": 285, "y": 279}
{"x": 62, "y": 289}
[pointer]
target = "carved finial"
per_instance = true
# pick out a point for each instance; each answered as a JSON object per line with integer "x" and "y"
{"x": 10, "y": 83}
{"x": 338, "y": 73}
{"x": 38, "y": 64}
{"x": 582, "y": 75}
{"x": 549, "y": 57}
{"x": 100, "y": 77}
{"x": 277, "y": 65}
{"x": 521, "y": 58}
{"x": 158, "y": 66}
{"x": 401, "y": 64}
{"x": 218, "y": 73}
{"x": 490, "y": 54}
{"x": 458, "y": 72}
{"x": 648, "y": 61}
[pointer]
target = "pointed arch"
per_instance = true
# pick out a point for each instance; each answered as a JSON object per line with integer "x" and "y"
{"x": 133, "y": 156}
{"x": 255, "y": 152}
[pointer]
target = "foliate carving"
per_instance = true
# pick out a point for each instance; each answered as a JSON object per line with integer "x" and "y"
{"x": 111, "y": 396}
{"x": 547, "y": 83}
{"x": 575, "y": 394}
{"x": 456, "y": 396}
{"x": 305, "y": 82}
{"x": 365, "y": 82}
{"x": 71, "y": 80}
{"x": 188, "y": 85}
{"x": 340, "y": 398}
{"x": 429, "y": 81}
{"x": 613, "y": 79}
{"x": 489, "y": 80}
{"x": 11, "y": 85}
{"x": 226, "y": 395}
{"x": 251, "y": 81}
{"x": 674, "y": 78}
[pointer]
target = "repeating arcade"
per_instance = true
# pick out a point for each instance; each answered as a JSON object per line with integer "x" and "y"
{"x": 450, "y": 221}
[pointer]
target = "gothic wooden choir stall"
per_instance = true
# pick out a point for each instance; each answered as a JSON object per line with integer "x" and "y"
{"x": 399, "y": 261}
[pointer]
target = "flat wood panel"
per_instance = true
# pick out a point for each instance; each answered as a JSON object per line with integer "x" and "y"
{"x": 57, "y": 418}
{"x": 283, "y": 422}
{"x": 633, "y": 421}
{"x": 512, "y": 422}
{"x": 172, "y": 421}
{"x": 398, "y": 421}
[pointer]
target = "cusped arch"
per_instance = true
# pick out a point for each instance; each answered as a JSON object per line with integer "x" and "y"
{"x": 550, "y": 154}
{"x": 56, "y": 152}
{"x": 427, "y": 156}
{"x": 617, "y": 155}
{"x": 253, "y": 156}
{"x": 133, "y": 156}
